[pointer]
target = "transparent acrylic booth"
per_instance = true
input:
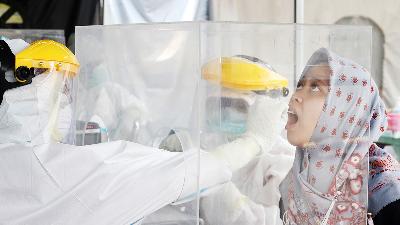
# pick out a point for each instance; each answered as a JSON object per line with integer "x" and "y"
{"x": 216, "y": 95}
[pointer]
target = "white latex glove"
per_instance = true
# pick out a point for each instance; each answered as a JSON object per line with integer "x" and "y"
{"x": 171, "y": 143}
{"x": 267, "y": 118}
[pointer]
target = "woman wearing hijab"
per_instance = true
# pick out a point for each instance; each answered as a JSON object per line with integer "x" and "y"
{"x": 339, "y": 174}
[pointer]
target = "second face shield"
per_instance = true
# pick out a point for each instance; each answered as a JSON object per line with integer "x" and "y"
{"x": 235, "y": 83}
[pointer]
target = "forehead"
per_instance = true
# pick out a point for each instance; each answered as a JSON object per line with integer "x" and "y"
{"x": 317, "y": 72}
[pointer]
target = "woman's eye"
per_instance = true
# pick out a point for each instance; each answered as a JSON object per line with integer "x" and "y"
{"x": 299, "y": 86}
{"x": 314, "y": 87}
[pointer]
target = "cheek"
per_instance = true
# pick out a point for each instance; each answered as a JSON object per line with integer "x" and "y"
{"x": 312, "y": 109}
{"x": 312, "y": 112}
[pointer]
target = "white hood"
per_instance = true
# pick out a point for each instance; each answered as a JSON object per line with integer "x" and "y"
{"x": 36, "y": 113}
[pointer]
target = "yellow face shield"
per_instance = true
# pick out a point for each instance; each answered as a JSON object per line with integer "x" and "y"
{"x": 44, "y": 55}
{"x": 241, "y": 78}
{"x": 244, "y": 73}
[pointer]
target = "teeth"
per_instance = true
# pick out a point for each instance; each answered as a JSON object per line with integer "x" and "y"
{"x": 291, "y": 112}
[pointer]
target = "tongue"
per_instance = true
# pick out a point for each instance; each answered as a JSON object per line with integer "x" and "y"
{"x": 292, "y": 119}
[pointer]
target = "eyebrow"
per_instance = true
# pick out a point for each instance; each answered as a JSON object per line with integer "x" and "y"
{"x": 324, "y": 82}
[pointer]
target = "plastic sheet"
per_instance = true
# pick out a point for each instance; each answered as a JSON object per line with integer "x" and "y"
{"x": 146, "y": 83}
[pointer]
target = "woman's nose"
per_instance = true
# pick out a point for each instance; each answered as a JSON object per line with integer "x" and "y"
{"x": 297, "y": 98}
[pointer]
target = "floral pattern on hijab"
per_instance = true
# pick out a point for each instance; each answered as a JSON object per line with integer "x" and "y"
{"x": 329, "y": 177}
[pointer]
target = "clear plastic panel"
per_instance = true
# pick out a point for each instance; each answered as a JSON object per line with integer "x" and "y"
{"x": 139, "y": 83}
{"x": 223, "y": 90}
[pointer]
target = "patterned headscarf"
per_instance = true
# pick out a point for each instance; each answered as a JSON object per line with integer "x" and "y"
{"x": 329, "y": 177}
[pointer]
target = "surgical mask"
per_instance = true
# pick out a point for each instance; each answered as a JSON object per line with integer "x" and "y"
{"x": 228, "y": 113}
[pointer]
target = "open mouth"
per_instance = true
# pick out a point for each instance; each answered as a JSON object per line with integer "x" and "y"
{"x": 292, "y": 119}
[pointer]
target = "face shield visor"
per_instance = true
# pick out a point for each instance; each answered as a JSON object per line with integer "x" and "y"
{"x": 235, "y": 83}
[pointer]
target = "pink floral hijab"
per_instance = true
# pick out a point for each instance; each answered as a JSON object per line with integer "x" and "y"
{"x": 328, "y": 183}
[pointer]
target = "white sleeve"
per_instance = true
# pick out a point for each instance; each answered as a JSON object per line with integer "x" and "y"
{"x": 237, "y": 153}
{"x": 111, "y": 183}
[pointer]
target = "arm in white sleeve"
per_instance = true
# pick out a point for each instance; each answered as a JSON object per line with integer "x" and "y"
{"x": 110, "y": 183}
{"x": 266, "y": 120}
{"x": 238, "y": 153}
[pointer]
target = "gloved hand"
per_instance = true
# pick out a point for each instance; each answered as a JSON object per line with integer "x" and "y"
{"x": 171, "y": 143}
{"x": 266, "y": 120}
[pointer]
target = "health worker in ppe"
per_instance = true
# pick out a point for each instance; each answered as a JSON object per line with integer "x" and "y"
{"x": 43, "y": 181}
{"x": 246, "y": 98}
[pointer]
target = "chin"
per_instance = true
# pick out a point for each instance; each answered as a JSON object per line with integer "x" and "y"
{"x": 295, "y": 139}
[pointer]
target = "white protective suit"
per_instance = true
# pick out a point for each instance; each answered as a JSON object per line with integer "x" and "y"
{"x": 45, "y": 182}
